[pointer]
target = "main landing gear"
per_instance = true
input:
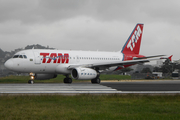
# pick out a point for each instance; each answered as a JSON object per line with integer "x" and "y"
{"x": 96, "y": 81}
{"x": 31, "y": 81}
{"x": 67, "y": 79}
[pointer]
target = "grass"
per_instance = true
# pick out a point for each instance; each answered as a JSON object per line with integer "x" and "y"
{"x": 88, "y": 107}
{"x": 58, "y": 79}
{"x": 115, "y": 77}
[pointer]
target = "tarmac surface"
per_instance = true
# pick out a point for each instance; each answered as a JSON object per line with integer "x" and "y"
{"x": 161, "y": 85}
{"x": 55, "y": 88}
{"x": 137, "y": 87}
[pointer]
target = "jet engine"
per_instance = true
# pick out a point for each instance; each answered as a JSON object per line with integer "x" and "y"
{"x": 44, "y": 76}
{"x": 83, "y": 73}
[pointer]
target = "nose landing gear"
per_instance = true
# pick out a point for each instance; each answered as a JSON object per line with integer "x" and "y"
{"x": 31, "y": 81}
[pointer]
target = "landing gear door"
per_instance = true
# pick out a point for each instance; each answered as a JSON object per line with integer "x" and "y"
{"x": 37, "y": 58}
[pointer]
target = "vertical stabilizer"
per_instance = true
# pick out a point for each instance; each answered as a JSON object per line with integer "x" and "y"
{"x": 132, "y": 45}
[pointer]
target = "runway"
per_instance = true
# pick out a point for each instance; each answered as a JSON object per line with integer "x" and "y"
{"x": 161, "y": 85}
{"x": 56, "y": 88}
{"x": 137, "y": 87}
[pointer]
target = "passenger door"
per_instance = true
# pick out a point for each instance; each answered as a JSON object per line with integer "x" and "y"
{"x": 37, "y": 58}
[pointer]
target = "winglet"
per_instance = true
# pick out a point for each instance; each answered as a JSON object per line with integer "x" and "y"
{"x": 170, "y": 57}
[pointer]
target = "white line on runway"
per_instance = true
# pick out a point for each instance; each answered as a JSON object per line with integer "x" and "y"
{"x": 55, "y": 88}
{"x": 61, "y": 88}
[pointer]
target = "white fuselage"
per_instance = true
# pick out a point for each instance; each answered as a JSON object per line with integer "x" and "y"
{"x": 57, "y": 61}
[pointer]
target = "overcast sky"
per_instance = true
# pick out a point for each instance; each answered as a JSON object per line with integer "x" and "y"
{"x": 102, "y": 25}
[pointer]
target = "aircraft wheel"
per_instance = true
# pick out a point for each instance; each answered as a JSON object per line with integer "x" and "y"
{"x": 96, "y": 81}
{"x": 93, "y": 81}
{"x": 67, "y": 80}
{"x": 31, "y": 81}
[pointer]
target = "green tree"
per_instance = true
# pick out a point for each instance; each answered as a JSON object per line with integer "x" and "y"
{"x": 127, "y": 69}
{"x": 157, "y": 69}
{"x": 146, "y": 70}
{"x": 168, "y": 66}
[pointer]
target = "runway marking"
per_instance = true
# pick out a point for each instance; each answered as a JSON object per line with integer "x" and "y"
{"x": 88, "y": 88}
{"x": 56, "y": 88}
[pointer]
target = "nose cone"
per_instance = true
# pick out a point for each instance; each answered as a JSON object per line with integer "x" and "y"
{"x": 9, "y": 64}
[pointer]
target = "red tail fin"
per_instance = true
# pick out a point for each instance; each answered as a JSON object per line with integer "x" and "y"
{"x": 132, "y": 45}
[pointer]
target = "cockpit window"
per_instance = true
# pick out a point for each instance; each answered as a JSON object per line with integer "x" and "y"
{"x": 15, "y": 56}
{"x": 25, "y": 56}
{"x": 20, "y": 56}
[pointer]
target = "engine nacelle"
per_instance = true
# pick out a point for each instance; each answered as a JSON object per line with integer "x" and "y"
{"x": 83, "y": 73}
{"x": 44, "y": 76}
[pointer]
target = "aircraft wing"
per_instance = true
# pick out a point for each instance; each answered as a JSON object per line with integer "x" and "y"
{"x": 110, "y": 64}
{"x": 148, "y": 57}
{"x": 121, "y": 63}
{"x": 131, "y": 62}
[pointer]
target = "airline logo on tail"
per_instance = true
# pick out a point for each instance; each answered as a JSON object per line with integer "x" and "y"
{"x": 132, "y": 45}
{"x": 134, "y": 38}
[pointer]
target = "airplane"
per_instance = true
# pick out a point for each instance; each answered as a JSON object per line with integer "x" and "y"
{"x": 44, "y": 64}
